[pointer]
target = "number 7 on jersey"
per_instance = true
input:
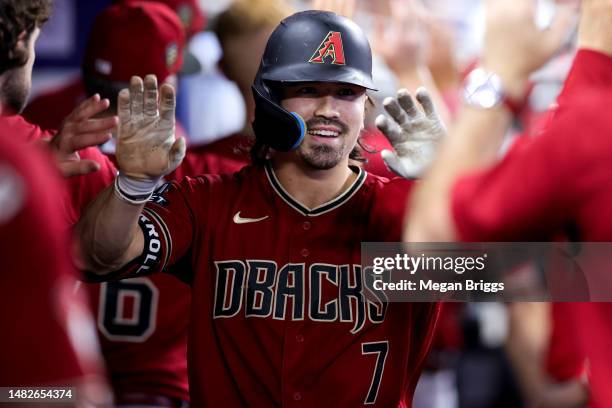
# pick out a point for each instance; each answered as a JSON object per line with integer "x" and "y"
{"x": 381, "y": 349}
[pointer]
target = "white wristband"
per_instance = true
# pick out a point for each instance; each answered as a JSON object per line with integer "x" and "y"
{"x": 135, "y": 191}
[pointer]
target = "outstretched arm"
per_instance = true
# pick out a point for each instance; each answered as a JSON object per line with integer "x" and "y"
{"x": 513, "y": 48}
{"x": 146, "y": 151}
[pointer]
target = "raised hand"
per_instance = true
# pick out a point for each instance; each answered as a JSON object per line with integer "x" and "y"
{"x": 414, "y": 133}
{"x": 146, "y": 145}
{"x": 81, "y": 130}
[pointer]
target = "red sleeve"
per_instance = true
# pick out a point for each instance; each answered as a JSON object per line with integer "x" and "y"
{"x": 538, "y": 187}
{"x": 40, "y": 312}
{"x": 564, "y": 360}
{"x": 81, "y": 190}
{"x": 590, "y": 68}
{"x": 24, "y": 130}
{"x": 201, "y": 161}
{"x": 388, "y": 210}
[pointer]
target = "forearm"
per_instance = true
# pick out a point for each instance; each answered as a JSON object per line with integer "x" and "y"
{"x": 528, "y": 340}
{"x": 473, "y": 142}
{"x": 109, "y": 233}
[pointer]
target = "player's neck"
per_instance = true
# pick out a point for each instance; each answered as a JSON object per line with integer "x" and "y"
{"x": 311, "y": 187}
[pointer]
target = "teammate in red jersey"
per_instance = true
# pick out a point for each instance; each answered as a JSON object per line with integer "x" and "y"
{"x": 278, "y": 315}
{"x": 559, "y": 178}
{"x": 41, "y": 318}
{"x": 49, "y": 337}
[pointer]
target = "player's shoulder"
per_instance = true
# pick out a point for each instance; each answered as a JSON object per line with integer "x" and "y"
{"x": 387, "y": 196}
{"x": 20, "y": 128}
{"x": 216, "y": 182}
{"x": 578, "y": 126}
{"x": 25, "y": 170}
{"x": 21, "y": 154}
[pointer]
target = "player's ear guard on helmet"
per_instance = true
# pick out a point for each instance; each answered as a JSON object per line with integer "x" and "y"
{"x": 273, "y": 125}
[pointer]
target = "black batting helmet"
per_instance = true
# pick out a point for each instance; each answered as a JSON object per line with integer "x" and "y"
{"x": 310, "y": 46}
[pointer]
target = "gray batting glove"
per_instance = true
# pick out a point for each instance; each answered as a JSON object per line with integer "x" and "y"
{"x": 146, "y": 145}
{"x": 413, "y": 133}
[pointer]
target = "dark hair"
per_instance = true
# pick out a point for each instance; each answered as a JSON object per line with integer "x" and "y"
{"x": 16, "y": 17}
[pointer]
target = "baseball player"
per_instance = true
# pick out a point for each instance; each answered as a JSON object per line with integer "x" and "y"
{"x": 560, "y": 178}
{"x": 44, "y": 323}
{"x": 41, "y": 319}
{"x": 278, "y": 315}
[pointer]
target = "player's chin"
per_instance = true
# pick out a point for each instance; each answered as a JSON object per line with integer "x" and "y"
{"x": 322, "y": 157}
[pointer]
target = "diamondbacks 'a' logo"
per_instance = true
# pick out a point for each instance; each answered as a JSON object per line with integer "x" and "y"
{"x": 331, "y": 46}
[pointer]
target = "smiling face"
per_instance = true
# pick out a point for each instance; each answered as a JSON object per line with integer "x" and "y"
{"x": 334, "y": 116}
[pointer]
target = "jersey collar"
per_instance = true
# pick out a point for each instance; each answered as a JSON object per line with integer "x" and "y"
{"x": 323, "y": 208}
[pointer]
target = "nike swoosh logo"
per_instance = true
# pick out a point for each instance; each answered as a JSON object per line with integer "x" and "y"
{"x": 239, "y": 220}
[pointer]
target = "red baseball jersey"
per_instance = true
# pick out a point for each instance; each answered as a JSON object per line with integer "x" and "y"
{"x": 564, "y": 360}
{"x": 48, "y": 335}
{"x": 142, "y": 325}
{"x": 278, "y": 314}
{"x": 143, "y": 322}
{"x": 226, "y": 155}
{"x": 559, "y": 178}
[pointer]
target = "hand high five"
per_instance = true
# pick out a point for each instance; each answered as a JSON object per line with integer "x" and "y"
{"x": 80, "y": 130}
{"x": 413, "y": 133}
{"x": 146, "y": 145}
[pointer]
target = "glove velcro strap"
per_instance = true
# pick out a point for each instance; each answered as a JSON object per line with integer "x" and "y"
{"x": 134, "y": 191}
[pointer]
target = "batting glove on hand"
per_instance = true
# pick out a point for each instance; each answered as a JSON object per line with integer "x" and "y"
{"x": 146, "y": 146}
{"x": 413, "y": 133}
